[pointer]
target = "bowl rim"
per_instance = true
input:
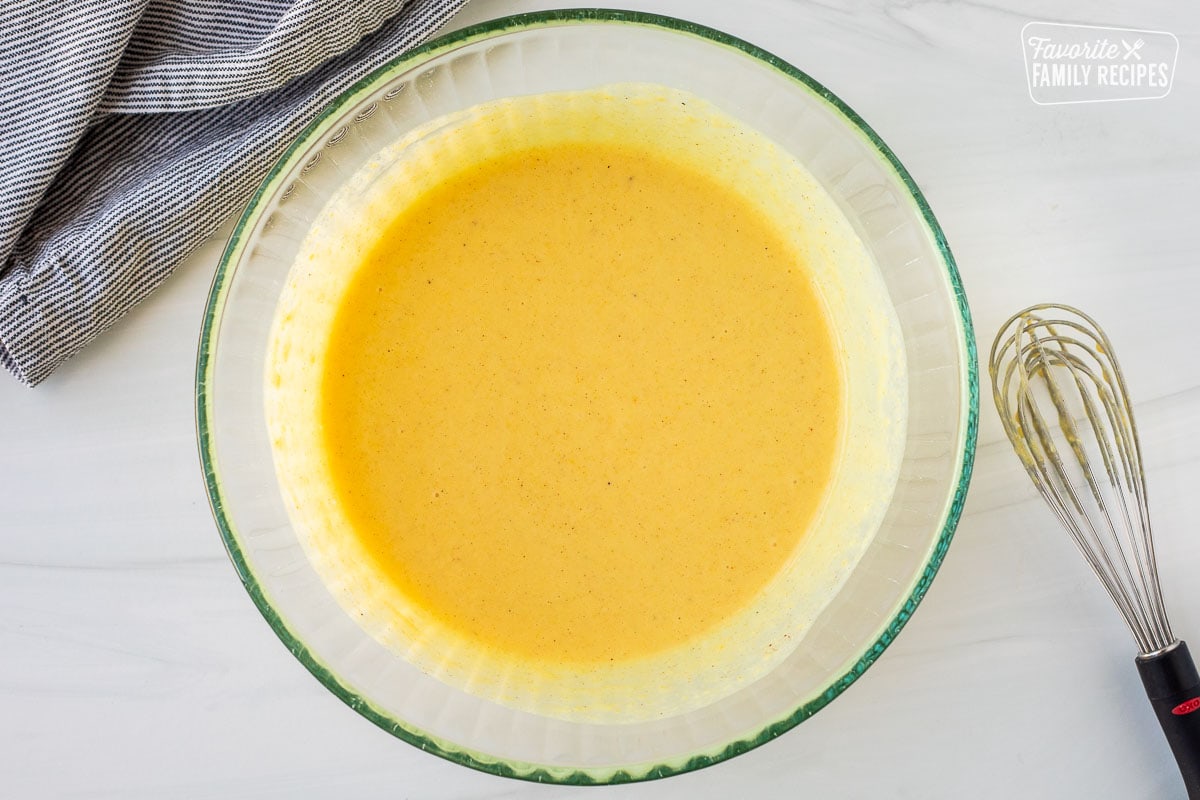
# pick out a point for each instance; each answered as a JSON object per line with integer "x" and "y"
{"x": 452, "y": 751}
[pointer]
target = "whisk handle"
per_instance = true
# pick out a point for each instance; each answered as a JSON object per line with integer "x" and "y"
{"x": 1173, "y": 687}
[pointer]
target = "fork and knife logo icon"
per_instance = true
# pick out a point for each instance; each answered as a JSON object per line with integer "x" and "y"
{"x": 1132, "y": 49}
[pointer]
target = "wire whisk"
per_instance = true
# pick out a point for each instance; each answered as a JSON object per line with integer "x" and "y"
{"x": 1063, "y": 403}
{"x": 1062, "y": 400}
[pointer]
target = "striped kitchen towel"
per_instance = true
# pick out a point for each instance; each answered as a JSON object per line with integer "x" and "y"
{"x": 131, "y": 129}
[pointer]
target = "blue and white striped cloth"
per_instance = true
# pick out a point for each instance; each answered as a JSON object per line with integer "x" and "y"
{"x": 131, "y": 129}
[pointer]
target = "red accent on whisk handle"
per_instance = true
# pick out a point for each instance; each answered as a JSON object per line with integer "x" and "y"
{"x": 1173, "y": 687}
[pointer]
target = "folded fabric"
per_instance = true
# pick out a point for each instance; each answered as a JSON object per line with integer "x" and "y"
{"x": 133, "y": 128}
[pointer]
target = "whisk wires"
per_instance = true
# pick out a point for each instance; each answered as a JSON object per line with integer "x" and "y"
{"x": 1063, "y": 403}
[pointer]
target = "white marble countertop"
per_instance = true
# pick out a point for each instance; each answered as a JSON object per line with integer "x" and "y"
{"x": 133, "y": 664}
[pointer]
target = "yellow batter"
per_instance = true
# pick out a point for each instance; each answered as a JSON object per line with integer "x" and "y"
{"x": 580, "y": 403}
{"x": 585, "y": 403}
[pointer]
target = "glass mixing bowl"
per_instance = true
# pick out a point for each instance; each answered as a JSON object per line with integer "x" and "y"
{"x": 557, "y": 51}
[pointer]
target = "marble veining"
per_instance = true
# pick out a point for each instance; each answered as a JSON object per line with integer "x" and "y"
{"x": 133, "y": 665}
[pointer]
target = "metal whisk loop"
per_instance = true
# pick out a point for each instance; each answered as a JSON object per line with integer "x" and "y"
{"x": 1063, "y": 403}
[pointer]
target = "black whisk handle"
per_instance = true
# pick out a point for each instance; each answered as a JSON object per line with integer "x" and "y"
{"x": 1173, "y": 687}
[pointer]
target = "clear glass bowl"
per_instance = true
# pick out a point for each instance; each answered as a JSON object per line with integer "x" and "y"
{"x": 558, "y": 51}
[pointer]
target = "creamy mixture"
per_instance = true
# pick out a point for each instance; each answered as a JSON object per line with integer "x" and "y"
{"x": 560, "y": 397}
